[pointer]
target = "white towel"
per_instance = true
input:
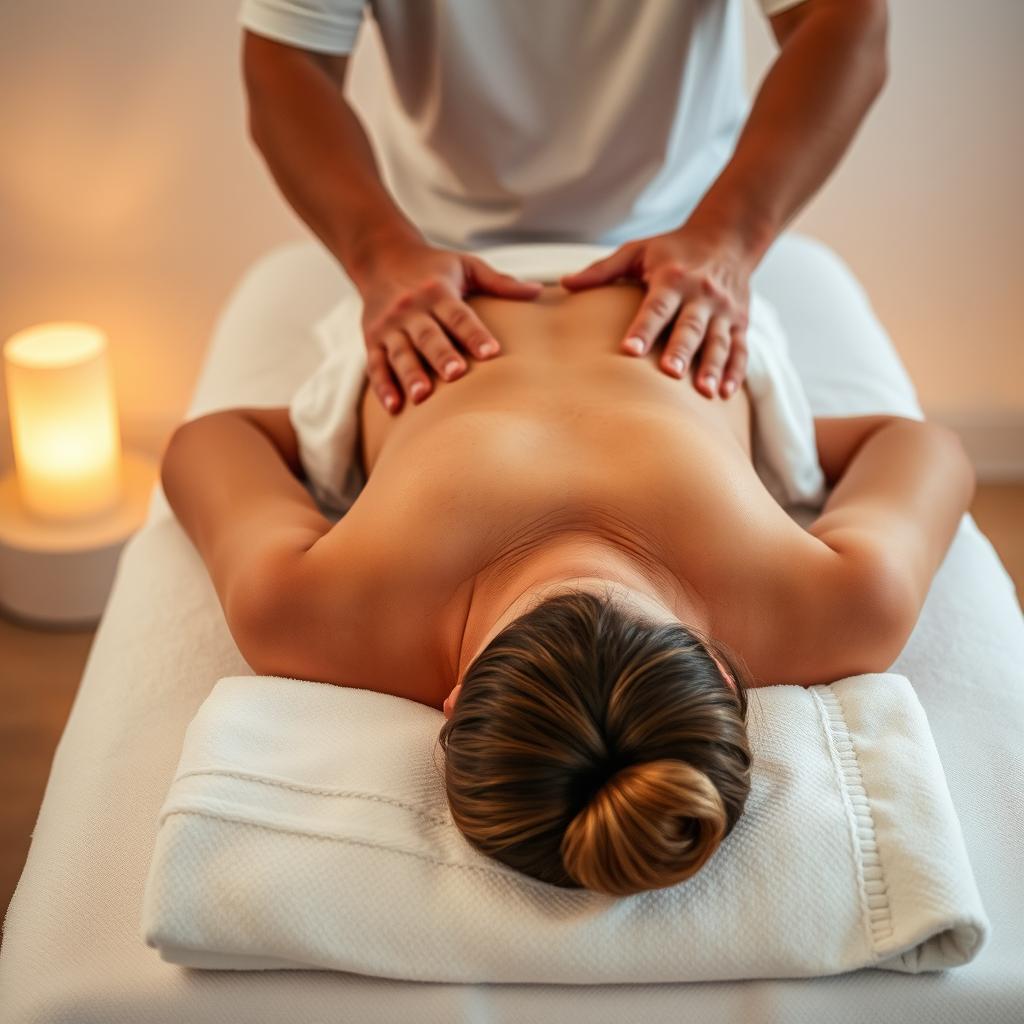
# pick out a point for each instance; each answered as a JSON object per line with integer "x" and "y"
{"x": 324, "y": 411}
{"x": 307, "y": 826}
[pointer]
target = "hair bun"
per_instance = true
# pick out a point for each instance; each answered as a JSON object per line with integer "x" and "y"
{"x": 652, "y": 824}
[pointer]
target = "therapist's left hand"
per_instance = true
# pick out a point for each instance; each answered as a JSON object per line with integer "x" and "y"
{"x": 698, "y": 290}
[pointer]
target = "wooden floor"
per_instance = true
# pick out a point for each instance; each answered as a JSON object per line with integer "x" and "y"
{"x": 39, "y": 673}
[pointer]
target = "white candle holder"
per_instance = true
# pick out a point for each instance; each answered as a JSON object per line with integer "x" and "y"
{"x": 74, "y": 497}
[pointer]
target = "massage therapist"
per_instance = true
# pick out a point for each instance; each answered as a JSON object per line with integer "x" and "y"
{"x": 620, "y": 122}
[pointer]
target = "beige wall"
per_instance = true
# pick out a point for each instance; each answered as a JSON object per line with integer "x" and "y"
{"x": 927, "y": 209}
{"x": 129, "y": 195}
{"x": 128, "y": 192}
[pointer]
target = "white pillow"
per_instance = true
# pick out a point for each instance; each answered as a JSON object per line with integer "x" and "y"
{"x": 307, "y": 826}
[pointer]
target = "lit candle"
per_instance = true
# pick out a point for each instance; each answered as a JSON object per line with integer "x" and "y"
{"x": 67, "y": 445}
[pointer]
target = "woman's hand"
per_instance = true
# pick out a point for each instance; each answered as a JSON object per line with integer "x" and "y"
{"x": 414, "y": 310}
{"x": 698, "y": 290}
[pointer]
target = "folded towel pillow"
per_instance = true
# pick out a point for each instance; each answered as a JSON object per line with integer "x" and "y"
{"x": 307, "y": 827}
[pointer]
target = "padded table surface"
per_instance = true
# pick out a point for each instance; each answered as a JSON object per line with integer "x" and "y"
{"x": 73, "y": 949}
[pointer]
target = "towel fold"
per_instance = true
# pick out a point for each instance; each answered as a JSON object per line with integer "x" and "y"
{"x": 307, "y": 827}
{"x": 325, "y": 410}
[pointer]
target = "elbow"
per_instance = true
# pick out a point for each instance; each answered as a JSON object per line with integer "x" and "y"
{"x": 965, "y": 467}
{"x": 183, "y": 435}
{"x": 254, "y": 128}
{"x": 873, "y": 41}
{"x": 254, "y": 124}
{"x": 175, "y": 454}
{"x": 256, "y": 53}
{"x": 255, "y": 121}
{"x": 184, "y": 451}
{"x": 956, "y": 460}
{"x": 168, "y": 458}
{"x": 881, "y": 70}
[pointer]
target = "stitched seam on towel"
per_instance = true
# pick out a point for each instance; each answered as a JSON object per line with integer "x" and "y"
{"x": 513, "y": 876}
{"x": 876, "y": 910}
{"x": 316, "y": 791}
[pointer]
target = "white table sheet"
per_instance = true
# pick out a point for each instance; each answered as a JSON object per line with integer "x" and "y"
{"x": 72, "y": 950}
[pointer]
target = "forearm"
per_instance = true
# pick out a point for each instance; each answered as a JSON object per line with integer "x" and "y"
{"x": 319, "y": 153}
{"x": 831, "y": 67}
{"x": 901, "y": 497}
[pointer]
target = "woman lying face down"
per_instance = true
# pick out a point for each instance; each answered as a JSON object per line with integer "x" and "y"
{"x": 571, "y": 554}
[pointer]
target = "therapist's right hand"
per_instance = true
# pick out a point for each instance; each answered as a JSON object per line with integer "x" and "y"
{"x": 414, "y": 315}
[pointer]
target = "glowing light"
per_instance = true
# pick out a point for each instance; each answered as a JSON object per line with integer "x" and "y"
{"x": 67, "y": 445}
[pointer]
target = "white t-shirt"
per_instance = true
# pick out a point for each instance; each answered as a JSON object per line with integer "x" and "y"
{"x": 559, "y": 120}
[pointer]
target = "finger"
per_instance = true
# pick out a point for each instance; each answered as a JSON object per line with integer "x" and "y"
{"x": 407, "y": 366}
{"x": 687, "y": 334}
{"x": 381, "y": 381}
{"x": 713, "y": 355}
{"x": 487, "y": 279}
{"x": 466, "y": 328}
{"x": 660, "y": 305}
{"x": 736, "y": 367}
{"x": 435, "y": 345}
{"x": 618, "y": 264}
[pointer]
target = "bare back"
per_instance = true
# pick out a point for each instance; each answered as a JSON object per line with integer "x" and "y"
{"x": 561, "y": 431}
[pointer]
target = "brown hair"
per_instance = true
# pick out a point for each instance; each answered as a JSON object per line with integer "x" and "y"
{"x": 591, "y": 748}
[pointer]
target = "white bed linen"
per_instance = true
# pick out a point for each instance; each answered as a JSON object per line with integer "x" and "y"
{"x": 72, "y": 950}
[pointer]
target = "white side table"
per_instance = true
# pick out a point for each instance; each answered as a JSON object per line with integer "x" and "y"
{"x": 61, "y": 574}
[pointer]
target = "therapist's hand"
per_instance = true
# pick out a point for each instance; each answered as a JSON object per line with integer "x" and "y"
{"x": 698, "y": 292}
{"x": 414, "y": 316}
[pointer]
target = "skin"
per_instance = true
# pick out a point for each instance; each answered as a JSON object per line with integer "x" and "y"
{"x": 830, "y": 68}
{"x": 563, "y": 464}
{"x": 612, "y": 581}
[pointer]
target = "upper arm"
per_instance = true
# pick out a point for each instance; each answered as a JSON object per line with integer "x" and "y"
{"x": 340, "y": 615}
{"x": 289, "y": 619}
{"x": 231, "y": 479}
{"x": 302, "y": 597}
{"x": 842, "y": 615}
{"x": 264, "y": 59}
{"x": 883, "y": 532}
{"x": 900, "y": 498}
{"x": 861, "y": 610}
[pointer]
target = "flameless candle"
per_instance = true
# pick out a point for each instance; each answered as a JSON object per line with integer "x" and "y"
{"x": 67, "y": 445}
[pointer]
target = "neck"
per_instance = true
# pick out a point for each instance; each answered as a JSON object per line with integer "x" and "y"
{"x": 510, "y": 587}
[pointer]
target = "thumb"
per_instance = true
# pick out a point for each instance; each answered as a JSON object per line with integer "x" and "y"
{"x": 618, "y": 264}
{"x": 487, "y": 279}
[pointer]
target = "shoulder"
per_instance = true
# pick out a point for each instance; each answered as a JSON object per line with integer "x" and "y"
{"x": 279, "y": 607}
{"x": 343, "y": 612}
{"x": 832, "y": 615}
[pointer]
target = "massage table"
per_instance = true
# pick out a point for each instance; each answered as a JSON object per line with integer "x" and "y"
{"x": 73, "y": 951}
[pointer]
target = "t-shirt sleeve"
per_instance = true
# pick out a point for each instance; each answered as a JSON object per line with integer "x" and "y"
{"x": 326, "y": 26}
{"x": 771, "y": 7}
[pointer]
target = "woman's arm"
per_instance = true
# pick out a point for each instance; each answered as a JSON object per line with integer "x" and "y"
{"x": 231, "y": 478}
{"x": 901, "y": 488}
